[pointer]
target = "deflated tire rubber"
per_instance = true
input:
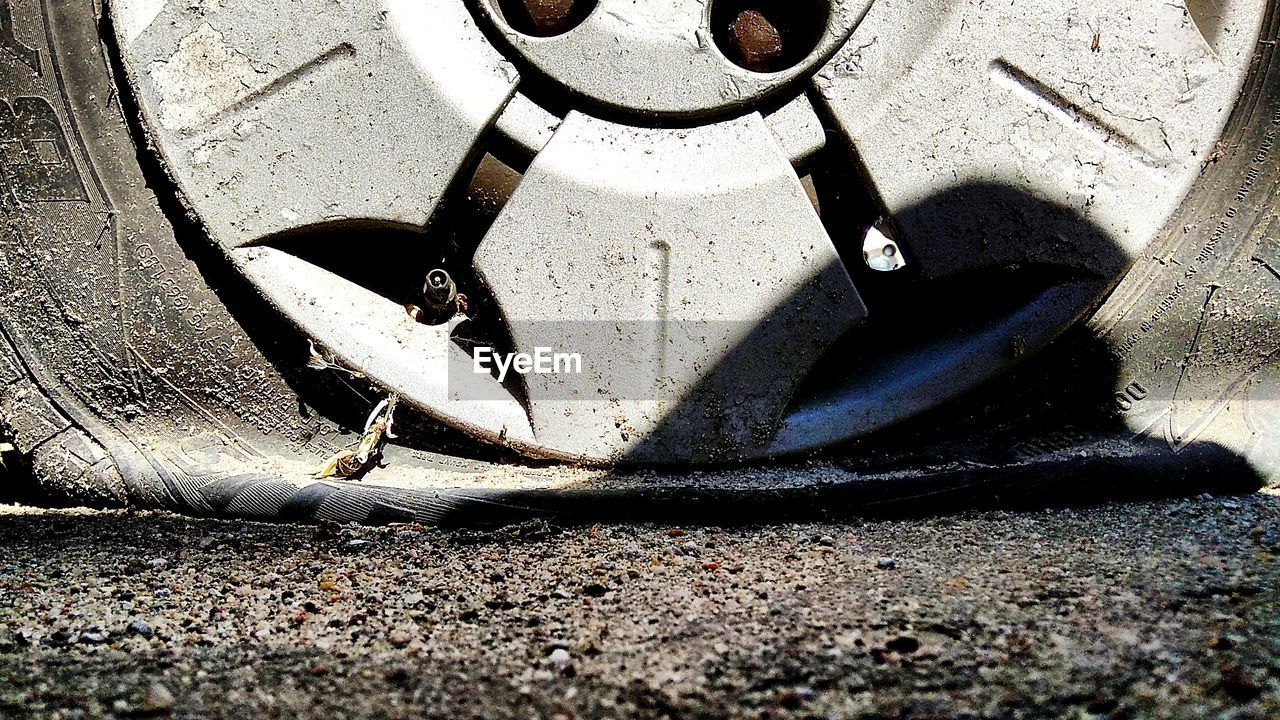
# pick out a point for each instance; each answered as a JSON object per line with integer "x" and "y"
{"x": 137, "y": 367}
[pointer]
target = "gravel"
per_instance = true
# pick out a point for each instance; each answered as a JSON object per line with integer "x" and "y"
{"x": 1157, "y": 609}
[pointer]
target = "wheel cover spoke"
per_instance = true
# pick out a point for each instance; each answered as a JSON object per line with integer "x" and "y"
{"x": 418, "y": 362}
{"x": 276, "y": 115}
{"x": 689, "y": 270}
{"x": 1004, "y": 136}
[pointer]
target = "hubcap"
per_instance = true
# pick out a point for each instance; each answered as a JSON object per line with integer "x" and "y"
{"x": 764, "y": 227}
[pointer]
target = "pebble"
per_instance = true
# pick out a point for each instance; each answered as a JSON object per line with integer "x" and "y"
{"x": 140, "y": 628}
{"x": 156, "y": 699}
{"x": 23, "y": 635}
{"x": 399, "y": 676}
{"x": 886, "y": 563}
{"x": 904, "y": 644}
{"x": 93, "y": 637}
{"x": 559, "y": 657}
{"x": 400, "y": 638}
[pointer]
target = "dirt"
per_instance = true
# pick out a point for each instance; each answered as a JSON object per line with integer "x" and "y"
{"x": 1158, "y": 609}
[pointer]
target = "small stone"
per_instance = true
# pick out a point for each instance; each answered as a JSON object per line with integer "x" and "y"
{"x": 327, "y": 530}
{"x": 886, "y": 563}
{"x": 158, "y": 563}
{"x": 399, "y": 676}
{"x": 156, "y": 699}
{"x": 793, "y": 698}
{"x": 140, "y": 628}
{"x": 827, "y": 540}
{"x": 595, "y": 590}
{"x": 23, "y": 635}
{"x": 400, "y": 638}
{"x": 411, "y": 598}
{"x": 559, "y": 657}
{"x": 903, "y": 644}
{"x": 93, "y": 637}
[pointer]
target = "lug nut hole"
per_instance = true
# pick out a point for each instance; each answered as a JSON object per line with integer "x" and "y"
{"x": 544, "y": 18}
{"x": 768, "y": 35}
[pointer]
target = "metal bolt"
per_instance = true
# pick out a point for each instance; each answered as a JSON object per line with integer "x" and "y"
{"x": 550, "y": 17}
{"x": 880, "y": 252}
{"x": 758, "y": 42}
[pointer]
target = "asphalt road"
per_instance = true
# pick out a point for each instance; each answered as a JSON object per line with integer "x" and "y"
{"x": 1154, "y": 609}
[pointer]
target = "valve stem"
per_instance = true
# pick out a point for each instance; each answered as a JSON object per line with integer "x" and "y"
{"x": 440, "y": 296}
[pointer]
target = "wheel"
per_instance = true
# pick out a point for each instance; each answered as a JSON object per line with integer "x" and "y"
{"x": 450, "y": 260}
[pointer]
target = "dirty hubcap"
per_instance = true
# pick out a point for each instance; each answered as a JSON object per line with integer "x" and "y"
{"x": 761, "y": 227}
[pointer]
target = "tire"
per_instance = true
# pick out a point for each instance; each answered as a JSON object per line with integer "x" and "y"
{"x": 139, "y": 367}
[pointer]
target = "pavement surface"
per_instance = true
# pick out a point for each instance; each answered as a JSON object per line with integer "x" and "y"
{"x": 1153, "y": 609}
